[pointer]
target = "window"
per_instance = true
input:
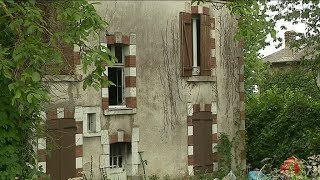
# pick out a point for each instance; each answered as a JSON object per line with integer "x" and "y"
{"x": 118, "y": 154}
{"x": 116, "y": 76}
{"x": 195, "y": 47}
{"x": 91, "y": 122}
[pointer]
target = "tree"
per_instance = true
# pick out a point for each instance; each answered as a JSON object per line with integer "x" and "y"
{"x": 29, "y": 44}
{"x": 282, "y": 120}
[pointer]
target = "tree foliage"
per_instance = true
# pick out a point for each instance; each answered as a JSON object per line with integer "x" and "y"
{"x": 30, "y": 47}
{"x": 283, "y": 119}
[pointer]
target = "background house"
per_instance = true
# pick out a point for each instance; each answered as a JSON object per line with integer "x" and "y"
{"x": 286, "y": 56}
{"x": 178, "y": 86}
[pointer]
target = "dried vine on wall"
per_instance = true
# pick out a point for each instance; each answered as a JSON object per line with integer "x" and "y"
{"x": 169, "y": 76}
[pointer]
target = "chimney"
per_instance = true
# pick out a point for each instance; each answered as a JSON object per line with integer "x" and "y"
{"x": 289, "y": 36}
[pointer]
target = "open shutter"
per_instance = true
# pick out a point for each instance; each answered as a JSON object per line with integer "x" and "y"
{"x": 186, "y": 43}
{"x": 205, "y": 69}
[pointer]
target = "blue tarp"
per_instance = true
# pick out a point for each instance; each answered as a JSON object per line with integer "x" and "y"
{"x": 256, "y": 175}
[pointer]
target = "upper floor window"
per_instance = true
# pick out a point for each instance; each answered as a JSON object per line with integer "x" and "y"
{"x": 195, "y": 44}
{"x": 91, "y": 117}
{"x": 116, "y": 76}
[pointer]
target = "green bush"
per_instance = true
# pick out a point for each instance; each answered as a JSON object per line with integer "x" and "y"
{"x": 283, "y": 120}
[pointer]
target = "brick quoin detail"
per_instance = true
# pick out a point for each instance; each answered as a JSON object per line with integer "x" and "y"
{"x": 205, "y": 10}
{"x": 213, "y": 23}
{"x": 213, "y": 43}
{"x": 242, "y": 115}
{"x": 207, "y": 107}
{"x": 130, "y": 61}
{"x": 105, "y": 103}
{"x": 131, "y": 102}
{"x": 115, "y": 139}
{"x": 195, "y": 109}
{"x": 196, "y": 10}
{"x": 121, "y": 39}
{"x": 79, "y": 172}
{"x": 79, "y": 151}
{"x": 79, "y": 125}
{"x": 189, "y": 121}
{"x": 51, "y": 115}
{"x": 215, "y": 157}
{"x": 213, "y": 62}
{"x": 190, "y": 140}
{"x": 190, "y": 160}
{"x": 111, "y": 39}
{"x": 126, "y": 40}
{"x": 130, "y": 81}
{"x": 215, "y": 138}
{"x": 64, "y": 113}
{"x": 68, "y": 113}
{"x": 42, "y": 155}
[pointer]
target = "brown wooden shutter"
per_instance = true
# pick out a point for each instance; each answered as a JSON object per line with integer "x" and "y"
{"x": 186, "y": 43}
{"x": 205, "y": 69}
{"x": 202, "y": 142}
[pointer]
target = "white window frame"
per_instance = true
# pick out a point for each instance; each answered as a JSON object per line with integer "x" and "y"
{"x": 195, "y": 65}
{"x": 92, "y": 120}
{"x": 122, "y": 66}
{"x": 124, "y": 153}
{"x": 92, "y": 110}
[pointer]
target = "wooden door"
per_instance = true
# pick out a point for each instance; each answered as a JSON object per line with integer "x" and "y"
{"x": 61, "y": 162}
{"x": 202, "y": 144}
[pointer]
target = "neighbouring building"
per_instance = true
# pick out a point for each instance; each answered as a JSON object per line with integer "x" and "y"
{"x": 288, "y": 57}
{"x": 285, "y": 57}
{"x": 179, "y": 84}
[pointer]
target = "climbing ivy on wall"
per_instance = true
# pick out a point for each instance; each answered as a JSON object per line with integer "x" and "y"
{"x": 27, "y": 45}
{"x": 224, "y": 157}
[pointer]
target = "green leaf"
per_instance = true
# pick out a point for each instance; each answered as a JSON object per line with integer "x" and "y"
{"x": 36, "y": 77}
{"x": 29, "y": 98}
{"x": 17, "y": 95}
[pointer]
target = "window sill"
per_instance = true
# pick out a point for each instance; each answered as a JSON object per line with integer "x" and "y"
{"x": 119, "y": 111}
{"x": 91, "y": 134}
{"x": 202, "y": 79}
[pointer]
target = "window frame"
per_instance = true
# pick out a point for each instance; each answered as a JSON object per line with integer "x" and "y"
{"x": 123, "y": 147}
{"x": 92, "y": 122}
{"x": 198, "y": 65}
{"x": 91, "y": 110}
{"x": 196, "y": 44}
{"x": 122, "y": 66}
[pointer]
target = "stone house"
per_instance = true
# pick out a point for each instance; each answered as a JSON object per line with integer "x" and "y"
{"x": 179, "y": 84}
{"x": 285, "y": 57}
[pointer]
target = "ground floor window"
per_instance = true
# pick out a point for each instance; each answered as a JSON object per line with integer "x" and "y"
{"x": 118, "y": 154}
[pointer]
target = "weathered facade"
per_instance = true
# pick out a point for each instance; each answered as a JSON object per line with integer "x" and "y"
{"x": 178, "y": 86}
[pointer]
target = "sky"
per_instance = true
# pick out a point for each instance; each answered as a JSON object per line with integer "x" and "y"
{"x": 280, "y": 33}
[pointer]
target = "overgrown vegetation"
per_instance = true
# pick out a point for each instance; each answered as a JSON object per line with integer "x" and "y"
{"x": 282, "y": 119}
{"x": 28, "y": 44}
{"x": 224, "y": 158}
